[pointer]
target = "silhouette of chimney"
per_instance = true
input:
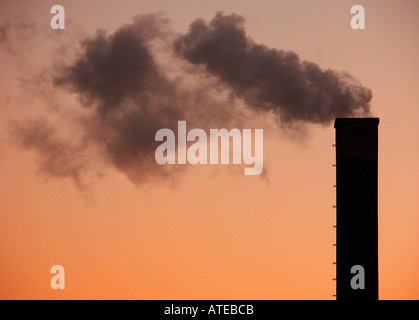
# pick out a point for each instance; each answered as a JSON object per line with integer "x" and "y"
{"x": 356, "y": 208}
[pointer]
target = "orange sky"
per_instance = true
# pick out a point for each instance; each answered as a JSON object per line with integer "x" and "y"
{"x": 216, "y": 234}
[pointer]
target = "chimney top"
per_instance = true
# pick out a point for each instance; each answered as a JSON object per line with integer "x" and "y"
{"x": 342, "y": 122}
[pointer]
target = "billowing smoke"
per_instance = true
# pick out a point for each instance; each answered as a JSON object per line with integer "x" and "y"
{"x": 129, "y": 97}
{"x": 118, "y": 77}
{"x": 118, "y": 69}
{"x": 270, "y": 79}
{"x": 126, "y": 92}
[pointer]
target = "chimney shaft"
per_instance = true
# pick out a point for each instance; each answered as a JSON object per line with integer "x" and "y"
{"x": 357, "y": 208}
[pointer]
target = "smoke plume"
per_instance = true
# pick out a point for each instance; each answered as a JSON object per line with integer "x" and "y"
{"x": 126, "y": 92}
{"x": 270, "y": 79}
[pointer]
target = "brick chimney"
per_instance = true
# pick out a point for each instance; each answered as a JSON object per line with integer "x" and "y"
{"x": 356, "y": 208}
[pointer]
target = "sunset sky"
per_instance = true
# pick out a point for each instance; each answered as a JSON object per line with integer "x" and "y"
{"x": 122, "y": 231}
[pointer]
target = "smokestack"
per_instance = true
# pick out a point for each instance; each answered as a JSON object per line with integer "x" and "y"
{"x": 357, "y": 208}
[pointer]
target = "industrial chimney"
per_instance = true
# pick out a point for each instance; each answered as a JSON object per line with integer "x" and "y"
{"x": 356, "y": 208}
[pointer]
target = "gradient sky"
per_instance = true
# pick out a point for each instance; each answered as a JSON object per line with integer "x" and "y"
{"x": 215, "y": 234}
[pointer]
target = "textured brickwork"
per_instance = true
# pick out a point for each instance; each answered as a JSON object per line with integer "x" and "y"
{"x": 356, "y": 201}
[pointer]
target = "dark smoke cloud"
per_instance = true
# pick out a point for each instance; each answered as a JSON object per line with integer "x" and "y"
{"x": 127, "y": 93}
{"x": 270, "y": 79}
{"x": 118, "y": 69}
{"x": 117, "y": 78}
{"x": 131, "y": 98}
